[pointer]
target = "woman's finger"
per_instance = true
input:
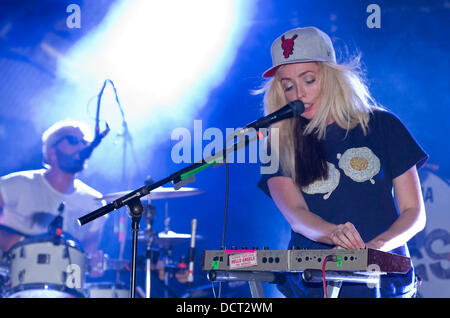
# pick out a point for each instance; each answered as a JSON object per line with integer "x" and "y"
{"x": 353, "y": 235}
{"x": 340, "y": 239}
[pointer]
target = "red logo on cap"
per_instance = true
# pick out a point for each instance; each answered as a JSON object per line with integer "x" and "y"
{"x": 288, "y": 45}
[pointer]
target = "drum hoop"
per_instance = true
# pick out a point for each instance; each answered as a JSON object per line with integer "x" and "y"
{"x": 45, "y": 286}
{"x": 106, "y": 286}
{"x": 47, "y": 239}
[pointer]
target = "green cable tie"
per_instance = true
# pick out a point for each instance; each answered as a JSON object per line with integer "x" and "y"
{"x": 202, "y": 167}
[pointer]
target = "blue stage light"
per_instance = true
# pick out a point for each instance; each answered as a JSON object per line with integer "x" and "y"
{"x": 164, "y": 58}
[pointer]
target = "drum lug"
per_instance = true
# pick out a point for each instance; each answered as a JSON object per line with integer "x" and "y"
{"x": 65, "y": 253}
{"x": 10, "y": 256}
{"x": 43, "y": 258}
{"x": 21, "y": 276}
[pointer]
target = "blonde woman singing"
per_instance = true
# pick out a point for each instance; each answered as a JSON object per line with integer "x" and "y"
{"x": 339, "y": 162}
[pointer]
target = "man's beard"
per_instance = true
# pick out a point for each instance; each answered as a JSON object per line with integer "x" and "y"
{"x": 68, "y": 163}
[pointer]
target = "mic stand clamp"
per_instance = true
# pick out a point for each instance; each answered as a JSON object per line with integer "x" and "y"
{"x": 55, "y": 228}
{"x": 135, "y": 211}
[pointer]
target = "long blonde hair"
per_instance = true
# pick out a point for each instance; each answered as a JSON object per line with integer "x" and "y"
{"x": 344, "y": 97}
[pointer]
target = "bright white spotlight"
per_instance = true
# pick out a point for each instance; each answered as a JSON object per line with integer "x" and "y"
{"x": 163, "y": 56}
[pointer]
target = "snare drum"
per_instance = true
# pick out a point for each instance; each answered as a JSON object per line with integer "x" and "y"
{"x": 107, "y": 290}
{"x": 46, "y": 268}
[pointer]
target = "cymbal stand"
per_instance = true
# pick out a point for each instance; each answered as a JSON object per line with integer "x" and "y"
{"x": 167, "y": 264}
{"x": 150, "y": 212}
{"x": 122, "y": 237}
{"x": 168, "y": 253}
{"x": 166, "y": 218}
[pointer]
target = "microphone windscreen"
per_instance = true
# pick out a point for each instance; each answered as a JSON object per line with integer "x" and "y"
{"x": 297, "y": 107}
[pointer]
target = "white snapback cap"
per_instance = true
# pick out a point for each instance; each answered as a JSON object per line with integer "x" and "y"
{"x": 300, "y": 45}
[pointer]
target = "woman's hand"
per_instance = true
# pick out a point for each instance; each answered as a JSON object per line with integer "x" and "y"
{"x": 346, "y": 236}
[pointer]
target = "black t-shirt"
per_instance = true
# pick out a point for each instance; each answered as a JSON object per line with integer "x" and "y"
{"x": 359, "y": 184}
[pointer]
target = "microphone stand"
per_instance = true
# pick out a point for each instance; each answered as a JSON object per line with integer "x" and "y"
{"x": 191, "y": 256}
{"x": 55, "y": 228}
{"x": 150, "y": 212}
{"x": 127, "y": 139}
{"x": 135, "y": 210}
{"x": 179, "y": 179}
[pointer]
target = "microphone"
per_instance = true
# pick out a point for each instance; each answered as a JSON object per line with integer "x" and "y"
{"x": 190, "y": 277}
{"x": 87, "y": 152}
{"x": 291, "y": 109}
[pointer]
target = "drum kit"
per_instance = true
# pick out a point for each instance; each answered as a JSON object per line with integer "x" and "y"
{"x": 50, "y": 266}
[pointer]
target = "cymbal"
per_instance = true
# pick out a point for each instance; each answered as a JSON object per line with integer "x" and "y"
{"x": 156, "y": 194}
{"x": 167, "y": 239}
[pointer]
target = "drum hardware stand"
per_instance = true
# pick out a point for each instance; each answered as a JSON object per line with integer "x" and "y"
{"x": 168, "y": 253}
{"x": 150, "y": 212}
{"x": 122, "y": 238}
{"x": 135, "y": 210}
{"x": 167, "y": 270}
{"x": 55, "y": 229}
